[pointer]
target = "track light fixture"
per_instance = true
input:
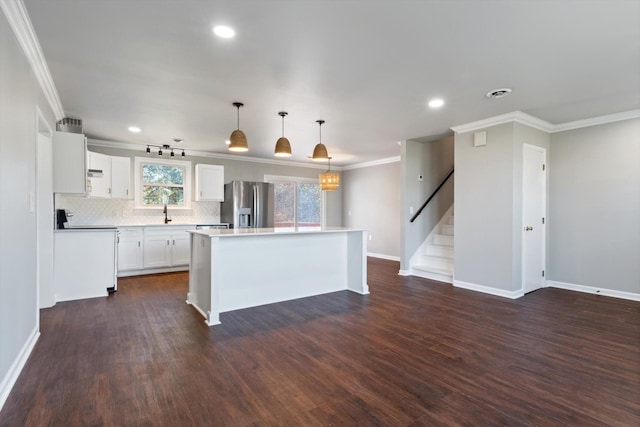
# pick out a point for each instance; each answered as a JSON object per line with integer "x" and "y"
{"x": 165, "y": 147}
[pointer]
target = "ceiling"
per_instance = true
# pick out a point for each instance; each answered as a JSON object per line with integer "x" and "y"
{"x": 368, "y": 68}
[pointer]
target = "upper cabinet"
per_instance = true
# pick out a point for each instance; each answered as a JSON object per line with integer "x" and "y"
{"x": 209, "y": 183}
{"x": 69, "y": 163}
{"x": 108, "y": 177}
{"x": 121, "y": 178}
{"x": 99, "y": 175}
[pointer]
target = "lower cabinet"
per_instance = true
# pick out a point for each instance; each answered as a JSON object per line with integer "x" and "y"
{"x": 84, "y": 263}
{"x": 130, "y": 248}
{"x": 166, "y": 246}
{"x": 143, "y": 248}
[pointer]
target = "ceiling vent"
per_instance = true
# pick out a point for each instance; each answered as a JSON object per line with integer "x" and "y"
{"x": 69, "y": 124}
{"x": 498, "y": 93}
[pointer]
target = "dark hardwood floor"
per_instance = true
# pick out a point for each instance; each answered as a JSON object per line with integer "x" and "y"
{"x": 412, "y": 353}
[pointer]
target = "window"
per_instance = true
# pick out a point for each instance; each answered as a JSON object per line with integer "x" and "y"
{"x": 299, "y": 202}
{"x": 159, "y": 182}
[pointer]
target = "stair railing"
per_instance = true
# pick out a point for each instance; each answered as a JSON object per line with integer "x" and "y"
{"x": 424, "y": 205}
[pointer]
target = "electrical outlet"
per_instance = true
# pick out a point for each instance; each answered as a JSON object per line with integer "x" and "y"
{"x": 370, "y": 237}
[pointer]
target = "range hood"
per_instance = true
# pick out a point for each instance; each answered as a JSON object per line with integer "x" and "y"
{"x": 94, "y": 173}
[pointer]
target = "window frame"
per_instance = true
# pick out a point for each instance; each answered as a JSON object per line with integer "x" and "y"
{"x": 139, "y": 162}
{"x": 302, "y": 180}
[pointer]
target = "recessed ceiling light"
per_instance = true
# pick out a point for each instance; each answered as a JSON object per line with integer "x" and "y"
{"x": 436, "y": 103}
{"x": 498, "y": 93}
{"x": 134, "y": 129}
{"x": 228, "y": 142}
{"x": 224, "y": 31}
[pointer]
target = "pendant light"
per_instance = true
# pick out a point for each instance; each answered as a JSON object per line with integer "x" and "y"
{"x": 283, "y": 147}
{"x": 238, "y": 138}
{"x": 320, "y": 151}
{"x": 329, "y": 181}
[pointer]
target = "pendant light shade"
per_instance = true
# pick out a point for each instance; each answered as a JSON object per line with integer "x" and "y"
{"x": 320, "y": 151}
{"x": 238, "y": 138}
{"x": 283, "y": 147}
{"x": 329, "y": 181}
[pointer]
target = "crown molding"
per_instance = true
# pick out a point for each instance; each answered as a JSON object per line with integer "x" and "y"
{"x": 143, "y": 148}
{"x": 534, "y": 122}
{"x": 515, "y": 116}
{"x": 594, "y": 121}
{"x": 20, "y": 23}
{"x": 372, "y": 163}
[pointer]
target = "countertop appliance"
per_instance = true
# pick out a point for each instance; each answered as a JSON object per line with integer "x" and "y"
{"x": 248, "y": 204}
{"x": 62, "y": 218}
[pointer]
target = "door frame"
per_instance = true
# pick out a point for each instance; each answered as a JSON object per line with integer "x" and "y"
{"x": 545, "y": 196}
{"x": 42, "y": 129}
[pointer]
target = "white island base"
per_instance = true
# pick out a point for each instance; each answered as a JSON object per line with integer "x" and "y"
{"x": 240, "y": 268}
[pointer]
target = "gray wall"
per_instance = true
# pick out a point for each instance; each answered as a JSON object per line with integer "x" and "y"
{"x": 18, "y": 289}
{"x": 371, "y": 201}
{"x": 239, "y": 170}
{"x": 594, "y": 206}
{"x": 488, "y": 206}
{"x": 432, "y": 160}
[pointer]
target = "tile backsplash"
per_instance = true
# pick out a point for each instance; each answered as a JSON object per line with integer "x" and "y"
{"x": 88, "y": 211}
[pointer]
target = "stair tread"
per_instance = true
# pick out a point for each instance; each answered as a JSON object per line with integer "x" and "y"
{"x": 438, "y": 257}
{"x": 439, "y": 270}
{"x": 438, "y": 245}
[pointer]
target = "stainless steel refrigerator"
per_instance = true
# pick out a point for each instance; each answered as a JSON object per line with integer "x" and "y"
{"x": 247, "y": 204}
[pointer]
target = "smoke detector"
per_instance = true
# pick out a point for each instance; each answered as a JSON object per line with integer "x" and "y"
{"x": 498, "y": 93}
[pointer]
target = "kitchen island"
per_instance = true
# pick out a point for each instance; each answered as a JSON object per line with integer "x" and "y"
{"x": 247, "y": 267}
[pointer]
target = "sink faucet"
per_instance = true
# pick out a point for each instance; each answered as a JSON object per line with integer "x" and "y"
{"x": 164, "y": 211}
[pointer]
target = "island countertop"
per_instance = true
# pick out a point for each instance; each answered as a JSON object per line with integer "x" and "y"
{"x": 247, "y": 267}
{"x": 270, "y": 231}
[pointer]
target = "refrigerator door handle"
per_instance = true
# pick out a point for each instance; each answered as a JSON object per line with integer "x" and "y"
{"x": 256, "y": 207}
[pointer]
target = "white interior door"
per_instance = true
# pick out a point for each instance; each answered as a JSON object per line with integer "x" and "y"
{"x": 45, "y": 219}
{"x": 534, "y": 197}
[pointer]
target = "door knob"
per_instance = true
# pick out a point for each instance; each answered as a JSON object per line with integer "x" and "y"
{"x": 528, "y": 228}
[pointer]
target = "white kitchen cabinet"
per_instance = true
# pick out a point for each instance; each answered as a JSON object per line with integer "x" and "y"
{"x": 121, "y": 178}
{"x": 99, "y": 175}
{"x": 166, "y": 246}
{"x": 84, "y": 263}
{"x": 69, "y": 163}
{"x": 109, "y": 176}
{"x": 130, "y": 248}
{"x": 181, "y": 248}
{"x": 209, "y": 183}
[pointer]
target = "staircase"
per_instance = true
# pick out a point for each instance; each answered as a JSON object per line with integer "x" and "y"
{"x": 434, "y": 259}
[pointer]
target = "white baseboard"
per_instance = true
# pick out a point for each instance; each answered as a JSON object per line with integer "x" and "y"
{"x": 404, "y": 272}
{"x": 130, "y": 273}
{"x": 488, "y": 289}
{"x": 383, "y": 256}
{"x": 16, "y": 367}
{"x": 593, "y": 290}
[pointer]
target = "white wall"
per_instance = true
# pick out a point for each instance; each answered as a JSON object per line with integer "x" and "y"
{"x": 18, "y": 290}
{"x": 594, "y": 206}
{"x": 371, "y": 201}
{"x": 432, "y": 160}
{"x": 488, "y": 206}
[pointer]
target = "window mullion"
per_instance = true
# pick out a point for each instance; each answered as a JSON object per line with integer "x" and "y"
{"x": 295, "y": 206}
